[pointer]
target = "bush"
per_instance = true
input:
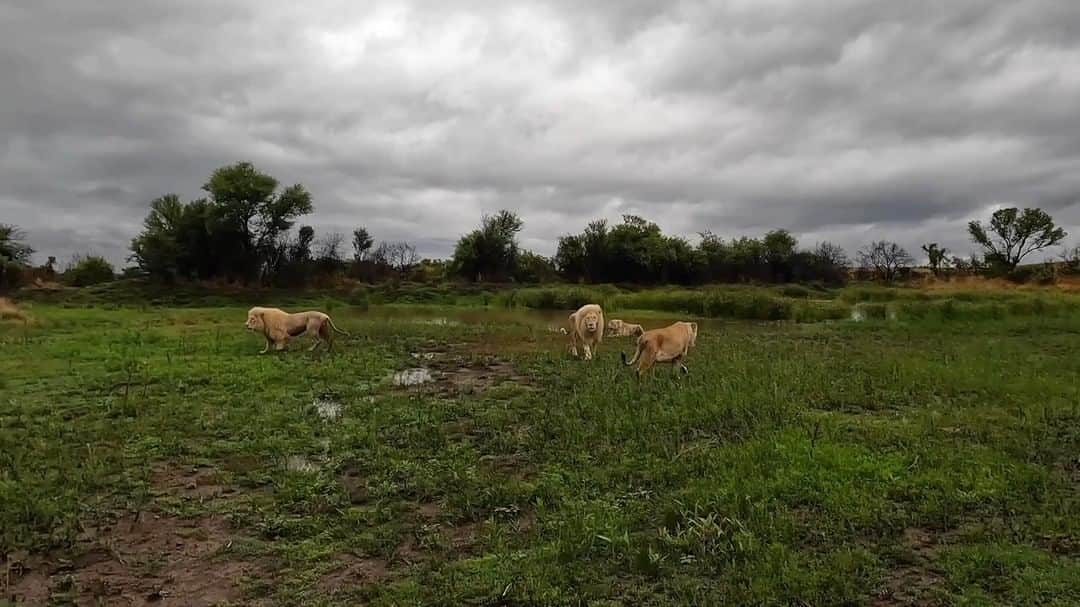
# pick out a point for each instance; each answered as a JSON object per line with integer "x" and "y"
{"x": 553, "y": 298}
{"x": 12, "y": 274}
{"x": 1042, "y": 274}
{"x": 795, "y": 291}
{"x": 86, "y": 270}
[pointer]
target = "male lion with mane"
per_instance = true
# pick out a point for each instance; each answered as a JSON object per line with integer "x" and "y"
{"x": 587, "y": 326}
{"x": 667, "y": 345}
{"x": 277, "y": 326}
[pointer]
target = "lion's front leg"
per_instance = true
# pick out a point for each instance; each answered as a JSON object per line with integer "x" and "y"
{"x": 588, "y": 350}
{"x": 266, "y": 348}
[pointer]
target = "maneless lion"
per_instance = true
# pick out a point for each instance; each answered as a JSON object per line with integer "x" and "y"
{"x": 621, "y": 328}
{"x": 587, "y": 327}
{"x": 277, "y": 326}
{"x": 667, "y": 345}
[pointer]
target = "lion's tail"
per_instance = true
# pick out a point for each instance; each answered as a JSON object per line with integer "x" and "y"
{"x": 334, "y": 327}
{"x": 637, "y": 354}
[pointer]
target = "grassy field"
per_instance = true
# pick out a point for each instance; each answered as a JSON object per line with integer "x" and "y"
{"x": 150, "y": 455}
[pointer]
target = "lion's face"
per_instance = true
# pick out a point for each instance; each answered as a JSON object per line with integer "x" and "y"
{"x": 613, "y": 326}
{"x": 254, "y": 322}
{"x": 693, "y": 333}
{"x": 591, "y": 322}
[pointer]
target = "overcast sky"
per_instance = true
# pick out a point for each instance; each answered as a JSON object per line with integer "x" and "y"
{"x": 845, "y": 120}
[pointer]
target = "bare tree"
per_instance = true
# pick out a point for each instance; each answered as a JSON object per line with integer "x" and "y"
{"x": 330, "y": 247}
{"x": 400, "y": 256}
{"x": 1071, "y": 258}
{"x": 831, "y": 254}
{"x": 887, "y": 259}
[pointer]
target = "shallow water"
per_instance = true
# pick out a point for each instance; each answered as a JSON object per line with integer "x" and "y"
{"x": 299, "y": 463}
{"x": 327, "y": 409}
{"x": 545, "y": 320}
{"x": 413, "y": 377}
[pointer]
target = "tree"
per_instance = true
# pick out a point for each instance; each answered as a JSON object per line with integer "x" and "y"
{"x": 779, "y": 248}
{"x": 301, "y": 247}
{"x": 1013, "y": 235}
{"x": 491, "y": 251}
{"x": 330, "y": 247}
{"x": 533, "y": 268}
{"x": 831, "y": 254}
{"x": 570, "y": 258}
{"x": 400, "y": 256}
{"x": 13, "y": 245}
{"x": 361, "y": 243}
{"x": 887, "y": 259}
{"x": 937, "y": 257}
{"x": 249, "y": 216}
{"x": 236, "y": 232}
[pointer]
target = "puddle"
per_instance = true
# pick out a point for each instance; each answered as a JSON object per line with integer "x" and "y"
{"x": 443, "y": 322}
{"x": 327, "y": 409}
{"x": 413, "y": 377}
{"x": 299, "y": 463}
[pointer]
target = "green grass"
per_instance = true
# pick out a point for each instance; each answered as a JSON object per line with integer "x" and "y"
{"x": 933, "y": 456}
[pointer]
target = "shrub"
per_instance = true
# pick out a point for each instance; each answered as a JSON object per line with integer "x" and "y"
{"x": 9, "y": 311}
{"x": 86, "y": 270}
{"x": 795, "y": 291}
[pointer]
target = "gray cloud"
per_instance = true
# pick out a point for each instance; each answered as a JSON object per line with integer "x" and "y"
{"x": 849, "y": 120}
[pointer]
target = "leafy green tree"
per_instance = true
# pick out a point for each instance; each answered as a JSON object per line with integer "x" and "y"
{"x": 533, "y": 268}
{"x": 491, "y": 251}
{"x": 570, "y": 258}
{"x": 15, "y": 256}
{"x": 1013, "y": 235}
{"x": 13, "y": 245}
{"x": 779, "y": 248}
{"x": 236, "y": 232}
{"x": 249, "y": 215}
{"x": 361, "y": 243}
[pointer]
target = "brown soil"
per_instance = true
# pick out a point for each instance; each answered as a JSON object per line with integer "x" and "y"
{"x": 351, "y": 571}
{"x": 912, "y": 583}
{"x": 9, "y": 311}
{"x": 461, "y": 369}
{"x": 138, "y": 559}
{"x": 191, "y": 482}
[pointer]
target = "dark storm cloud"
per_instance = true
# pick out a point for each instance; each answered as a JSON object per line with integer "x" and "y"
{"x": 849, "y": 120}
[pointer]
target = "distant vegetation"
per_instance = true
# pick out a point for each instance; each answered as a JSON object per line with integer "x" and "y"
{"x": 247, "y": 231}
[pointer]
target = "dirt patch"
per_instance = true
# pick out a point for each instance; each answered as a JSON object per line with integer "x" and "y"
{"x": 513, "y": 465}
{"x": 191, "y": 482}
{"x": 351, "y": 571}
{"x": 9, "y": 311}
{"x": 355, "y": 486}
{"x": 914, "y": 582}
{"x": 458, "y": 369}
{"x": 429, "y": 510}
{"x": 139, "y": 559}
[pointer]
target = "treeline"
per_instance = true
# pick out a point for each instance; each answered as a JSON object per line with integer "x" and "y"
{"x": 245, "y": 230}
